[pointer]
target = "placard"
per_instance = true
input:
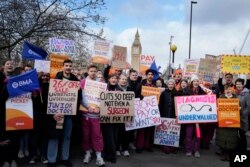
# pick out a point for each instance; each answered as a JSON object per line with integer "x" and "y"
{"x": 229, "y": 113}
{"x": 151, "y": 91}
{"x": 145, "y": 62}
{"x": 62, "y": 46}
{"x": 191, "y": 67}
{"x": 92, "y": 91}
{"x": 196, "y": 109}
{"x": 19, "y": 112}
{"x": 167, "y": 133}
{"x": 147, "y": 114}
{"x": 207, "y": 69}
{"x": 235, "y": 64}
{"x": 116, "y": 107}
{"x": 63, "y": 96}
{"x": 42, "y": 66}
{"x": 100, "y": 52}
{"x": 56, "y": 64}
{"x": 119, "y": 59}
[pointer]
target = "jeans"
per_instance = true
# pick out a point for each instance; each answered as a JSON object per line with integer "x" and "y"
{"x": 53, "y": 143}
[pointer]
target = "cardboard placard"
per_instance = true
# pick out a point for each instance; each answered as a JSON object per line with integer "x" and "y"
{"x": 100, "y": 52}
{"x": 147, "y": 114}
{"x": 116, "y": 107}
{"x": 235, "y": 64}
{"x": 119, "y": 59}
{"x": 228, "y": 113}
{"x": 19, "y": 112}
{"x": 167, "y": 133}
{"x": 42, "y": 66}
{"x": 196, "y": 109}
{"x": 62, "y": 98}
{"x": 151, "y": 91}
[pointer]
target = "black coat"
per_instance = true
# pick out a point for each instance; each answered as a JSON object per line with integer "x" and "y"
{"x": 166, "y": 104}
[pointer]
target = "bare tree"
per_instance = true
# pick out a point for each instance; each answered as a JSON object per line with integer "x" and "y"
{"x": 38, "y": 20}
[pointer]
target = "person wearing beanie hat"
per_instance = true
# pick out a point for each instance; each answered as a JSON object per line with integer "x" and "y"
{"x": 194, "y": 77}
{"x": 167, "y": 107}
{"x": 177, "y": 78}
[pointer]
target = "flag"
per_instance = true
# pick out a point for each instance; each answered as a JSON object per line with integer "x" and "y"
{"x": 32, "y": 52}
{"x": 155, "y": 69}
{"x": 23, "y": 83}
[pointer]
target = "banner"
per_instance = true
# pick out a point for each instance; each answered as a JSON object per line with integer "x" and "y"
{"x": 56, "y": 64}
{"x": 228, "y": 113}
{"x": 101, "y": 50}
{"x": 167, "y": 133}
{"x": 92, "y": 91}
{"x": 196, "y": 109}
{"x": 191, "y": 67}
{"x": 119, "y": 59}
{"x": 33, "y": 52}
{"x": 116, "y": 107}
{"x": 235, "y": 64}
{"x": 42, "y": 66}
{"x": 63, "y": 96}
{"x": 24, "y": 83}
{"x": 151, "y": 91}
{"x": 147, "y": 114}
{"x": 63, "y": 46}
{"x": 19, "y": 112}
{"x": 145, "y": 62}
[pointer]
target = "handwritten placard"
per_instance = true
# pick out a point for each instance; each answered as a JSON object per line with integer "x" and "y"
{"x": 62, "y": 46}
{"x": 19, "y": 112}
{"x": 100, "y": 52}
{"x": 116, "y": 107}
{"x": 93, "y": 90}
{"x": 145, "y": 62}
{"x": 146, "y": 114}
{"x": 191, "y": 67}
{"x": 62, "y": 98}
{"x": 42, "y": 66}
{"x": 119, "y": 59}
{"x": 56, "y": 64}
{"x": 228, "y": 113}
{"x": 196, "y": 109}
{"x": 235, "y": 64}
{"x": 151, "y": 91}
{"x": 167, "y": 133}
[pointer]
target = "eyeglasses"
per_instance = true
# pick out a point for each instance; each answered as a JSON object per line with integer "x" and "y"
{"x": 189, "y": 108}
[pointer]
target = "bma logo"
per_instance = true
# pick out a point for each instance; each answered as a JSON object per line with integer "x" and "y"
{"x": 240, "y": 158}
{"x": 21, "y": 83}
{"x": 33, "y": 53}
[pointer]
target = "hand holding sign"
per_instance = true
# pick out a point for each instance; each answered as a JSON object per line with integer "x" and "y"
{"x": 58, "y": 117}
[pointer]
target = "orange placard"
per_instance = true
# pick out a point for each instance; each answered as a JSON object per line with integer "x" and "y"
{"x": 151, "y": 91}
{"x": 56, "y": 64}
{"x": 228, "y": 113}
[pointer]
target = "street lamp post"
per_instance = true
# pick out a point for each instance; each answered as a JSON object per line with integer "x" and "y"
{"x": 190, "y": 33}
{"x": 169, "y": 65}
{"x": 173, "y": 49}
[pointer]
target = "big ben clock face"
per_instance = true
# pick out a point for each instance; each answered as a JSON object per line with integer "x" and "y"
{"x": 135, "y": 50}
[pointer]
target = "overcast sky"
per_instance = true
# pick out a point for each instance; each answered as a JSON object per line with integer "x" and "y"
{"x": 219, "y": 26}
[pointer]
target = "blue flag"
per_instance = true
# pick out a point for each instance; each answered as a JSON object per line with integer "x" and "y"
{"x": 33, "y": 52}
{"x": 155, "y": 69}
{"x": 23, "y": 83}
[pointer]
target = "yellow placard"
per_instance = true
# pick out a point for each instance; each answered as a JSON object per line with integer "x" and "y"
{"x": 235, "y": 64}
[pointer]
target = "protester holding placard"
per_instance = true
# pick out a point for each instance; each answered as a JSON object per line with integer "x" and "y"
{"x": 144, "y": 138}
{"x": 123, "y": 135}
{"x": 167, "y": 107}
{"x": 91, "y": 131}
{"x": 244, "y": 97}
{"x": 110, "y": 130}
{"x": 67, "y": 125}
{"x": 9, "y": 146}
{"x": 193, "y": 146}
{"x": 227, "y": 138}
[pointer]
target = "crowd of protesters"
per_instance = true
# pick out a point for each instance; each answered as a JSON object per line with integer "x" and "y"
{"x": 51, "y": 146}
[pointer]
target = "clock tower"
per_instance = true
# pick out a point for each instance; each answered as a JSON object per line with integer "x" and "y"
{"x": 136, "y": 50}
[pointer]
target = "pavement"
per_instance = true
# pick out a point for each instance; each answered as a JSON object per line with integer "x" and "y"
{"x": 149, "y": 159}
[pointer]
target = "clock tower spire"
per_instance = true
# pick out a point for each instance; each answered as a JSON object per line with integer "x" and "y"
{"x": 136, "y": 50}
